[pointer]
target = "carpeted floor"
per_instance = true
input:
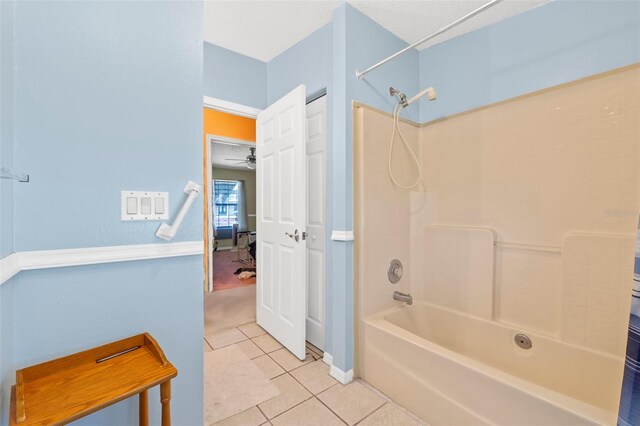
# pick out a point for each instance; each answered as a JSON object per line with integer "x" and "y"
{"x": 223, "y": 271}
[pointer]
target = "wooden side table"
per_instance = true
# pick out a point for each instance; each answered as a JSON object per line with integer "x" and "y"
{"x": 65, "y": 389}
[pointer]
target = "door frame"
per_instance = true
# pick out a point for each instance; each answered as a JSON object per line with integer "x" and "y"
{"x": 208, "y": 179}
{"x": 231, "y": 108}
{"x": 250, "y": 112}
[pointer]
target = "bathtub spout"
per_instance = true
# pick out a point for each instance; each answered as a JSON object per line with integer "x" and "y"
{"x": 406, "y": 298}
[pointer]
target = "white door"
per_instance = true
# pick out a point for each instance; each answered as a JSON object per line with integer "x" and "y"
{"x": 316, "y": 223}
{"x": 281, "y": 296}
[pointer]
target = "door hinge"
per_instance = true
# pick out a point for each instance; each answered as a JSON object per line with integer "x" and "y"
{"x": 304, "y": 235}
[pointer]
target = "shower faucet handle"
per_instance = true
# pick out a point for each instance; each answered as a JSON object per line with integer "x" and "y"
{"x": 395, "y": 270}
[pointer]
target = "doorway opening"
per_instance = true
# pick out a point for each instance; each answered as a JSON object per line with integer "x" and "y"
{"x": 265, "y": 214}
{"x": 232, "y": 215}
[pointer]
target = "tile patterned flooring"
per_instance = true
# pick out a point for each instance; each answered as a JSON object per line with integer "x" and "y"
{"x": 308, "y": 395}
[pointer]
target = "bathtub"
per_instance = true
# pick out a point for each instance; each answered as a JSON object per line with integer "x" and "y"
{"x": 455, "y": 369}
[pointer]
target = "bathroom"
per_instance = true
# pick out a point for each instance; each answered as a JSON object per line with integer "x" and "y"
{"x": 481, "y": 206}
{"x": 508, "y": 192}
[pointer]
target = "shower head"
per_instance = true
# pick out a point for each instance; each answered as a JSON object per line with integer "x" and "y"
{"x": 429, "y": 91}
{"x": 402, "y": 98}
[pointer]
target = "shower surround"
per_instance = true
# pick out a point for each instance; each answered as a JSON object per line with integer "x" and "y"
{"x": 525, "y": 223}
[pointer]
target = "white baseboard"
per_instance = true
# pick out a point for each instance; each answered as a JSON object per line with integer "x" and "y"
{"x": 327, "y": 359}
{"x": 44, "y": 259}
{"x": 335, "y": 372}
{"x": 341, "y": 376}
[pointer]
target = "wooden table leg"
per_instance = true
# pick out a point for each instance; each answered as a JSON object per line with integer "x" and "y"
{"x": 165, "y": 399}
{"x": 144, "y": 408}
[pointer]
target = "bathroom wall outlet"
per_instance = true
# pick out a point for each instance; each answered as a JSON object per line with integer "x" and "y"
{"x": 144, "y": 205}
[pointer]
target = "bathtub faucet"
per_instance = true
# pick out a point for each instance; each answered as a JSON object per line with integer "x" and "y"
{"x": 406, "y": 298}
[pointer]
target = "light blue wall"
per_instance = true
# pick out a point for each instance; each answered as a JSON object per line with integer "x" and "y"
{"x": 6, "y": 203}
{"x": 234, "y": 77}
{"x": 6, "y": 127}
{"x": 552, "y": 44}
{"x": 307, "y": 62}
{"x": 358, "y": 43}
{"x": 62, "y": 311}
{"x": 108, "y": 96}
{"x": 7, "y": 347}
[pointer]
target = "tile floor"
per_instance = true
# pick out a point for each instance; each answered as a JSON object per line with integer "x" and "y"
{"x": 308, "y": 396}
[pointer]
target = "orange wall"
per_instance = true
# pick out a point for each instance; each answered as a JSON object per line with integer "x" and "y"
{"x": 232, "y": 126}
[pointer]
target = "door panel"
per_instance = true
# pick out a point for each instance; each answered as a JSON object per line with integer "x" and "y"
{"x": 316, "y": 222}
{"x": 281, "y": 210}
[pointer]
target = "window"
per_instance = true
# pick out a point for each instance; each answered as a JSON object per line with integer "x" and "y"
{"x": 225, "y": 203}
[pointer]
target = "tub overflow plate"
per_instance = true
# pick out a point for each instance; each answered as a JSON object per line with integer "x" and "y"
{"x": 523, "y": 341}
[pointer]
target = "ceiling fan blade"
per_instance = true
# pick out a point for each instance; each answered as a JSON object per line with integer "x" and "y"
{"x": 235, "y": 159}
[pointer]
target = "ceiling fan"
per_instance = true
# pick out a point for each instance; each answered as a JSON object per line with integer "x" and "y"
{"x": 249, "y": 161}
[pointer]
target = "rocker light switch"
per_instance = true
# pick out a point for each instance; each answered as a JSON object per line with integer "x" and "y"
{"x": 132, "y": 205}
{"x": 159, "y": 204}
{"x": 143, "y": 205}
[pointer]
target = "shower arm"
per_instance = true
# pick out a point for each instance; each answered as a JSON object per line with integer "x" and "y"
{"x": 361, "y": 74}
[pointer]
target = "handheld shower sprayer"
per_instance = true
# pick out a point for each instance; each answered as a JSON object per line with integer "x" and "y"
{"x": 402, "y": 98}
{"x": 430, "y": 92}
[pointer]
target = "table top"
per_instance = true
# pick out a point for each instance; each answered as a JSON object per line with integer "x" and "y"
{"x": 68, "y": 388}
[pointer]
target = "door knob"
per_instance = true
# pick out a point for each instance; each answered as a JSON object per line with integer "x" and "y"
{"x": 294, "y": 236}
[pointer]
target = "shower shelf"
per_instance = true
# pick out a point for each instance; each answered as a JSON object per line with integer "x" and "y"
{"x": 7, "y": 173}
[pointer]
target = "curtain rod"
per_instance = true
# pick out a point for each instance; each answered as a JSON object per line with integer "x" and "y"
{"x": 361, "y": 74}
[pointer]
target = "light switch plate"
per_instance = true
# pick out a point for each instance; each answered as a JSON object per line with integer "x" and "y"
{"x": 154, "y": 205}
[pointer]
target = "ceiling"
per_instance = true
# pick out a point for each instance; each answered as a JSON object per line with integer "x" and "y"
{"x": 221, "y": 152}
{"x": 262, "y": 29}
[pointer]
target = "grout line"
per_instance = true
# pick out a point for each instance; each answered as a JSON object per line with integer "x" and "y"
{"x": 259, "y": 409}
{"x": 249, "y": 337}
{"x": 301, "y": 384}
{"x": 329, "y": 408}
{"x": 291, "y": 408}
{"x": 279, "y": 375}
{"x": 208, "y": 344}
{"x": 390, "y": 401}
{"x": 294, "y": 406}
{"x": 370, "y": 414}
{"x": 226, "y": 346}
{"x": 282, "y": 366}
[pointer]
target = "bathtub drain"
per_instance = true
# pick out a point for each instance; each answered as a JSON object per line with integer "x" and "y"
{"x": 523, "y": 341}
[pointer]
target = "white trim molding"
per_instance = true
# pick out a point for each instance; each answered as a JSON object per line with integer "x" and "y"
{"x": 327, "y": 359}
{"x": 335, "y": 372}
{"x": 231, "y": 107}
{"x": 343, "y": 377}
{"x": 44, "y": 259}
{"x": 9, "y": 266}
{"x": 342, "y": 235}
